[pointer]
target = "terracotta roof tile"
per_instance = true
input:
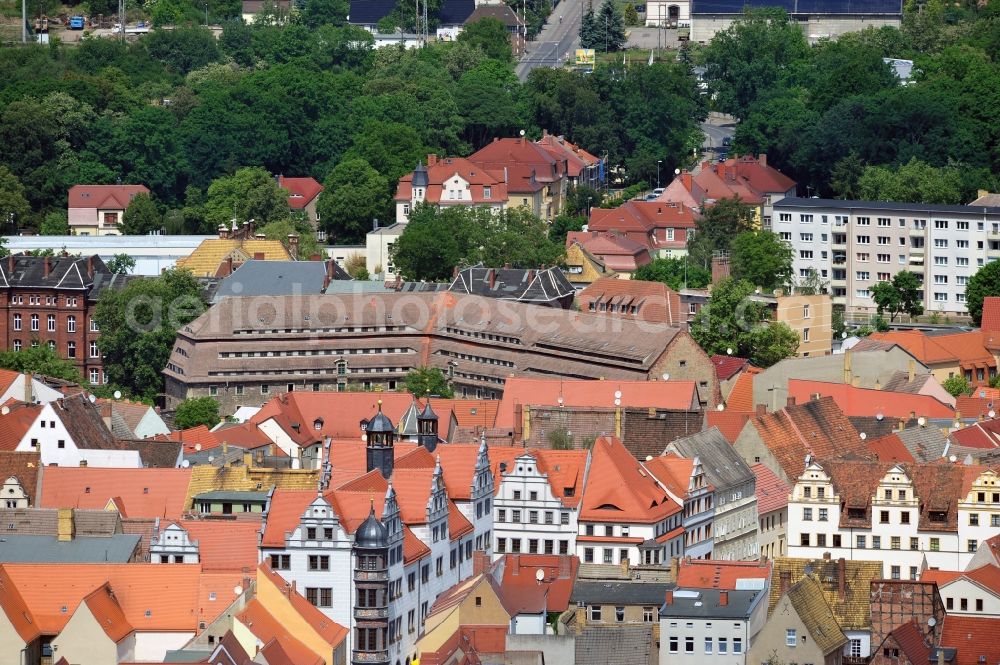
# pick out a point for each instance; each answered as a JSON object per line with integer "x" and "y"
{"x": 816, "y": 615}
{"x": 277, "y": 639}
{"x": 564, "y": 469}
{"x": 922, "y": 347}
{"x": 619, "y": 490}
{"x": 991, "y": 315}
{"x": 144, "y": 492}
{"x": 678, "y": 395}
{"x": 206, "y": 259}
{"x": 194, "y": 438}
{"x": 673, "y": 471}
{"x": 707, "y": 574}
{"x": 772, "y": 492}
{"x": 104, "y": 196}
{"x": 726, "y": 367}
{"x": 16, "y": 609}
{"x": 331, "y": 631}
{"x": 729, "y": 422}
{"x": 740, "y": 397}
{"x": 854, "y": 401}
{"x": 974, "y": 637}
{"x": 24, "y": 466}
{"x": 301, "y": 191}
{"x": 108, "y": 613}
{"x": 910, "y": 639}
{"x": 617, "y": 252}
{"x": 652, "y": 301}
{"x": 284, "y": 511}
{"x": 559, "y": 576}
{"x": 440, "y": 171}
{"x": 224, "y": 545}
{"x": 889, "y": 448}
{"x": 16, "y": 424}
{"x": 413, "y": 548}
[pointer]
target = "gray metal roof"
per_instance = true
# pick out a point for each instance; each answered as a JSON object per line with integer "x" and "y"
{"x": 722, "y": 465}
{"x": 273, "y": 278}
{"x": 591, "y": 592}
{"x": 796, "y": 202}
{"x": 118, "y": 548}
{"x": 185, "y": 656}
{"x": 614, "y": 645}
{"x": 219, "y": 495}
{"x": 704, "y": 604}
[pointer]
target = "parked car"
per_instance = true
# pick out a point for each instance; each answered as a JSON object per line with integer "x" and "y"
{"x": 76, "y": 23}
{"x": 727, "y": 141}
{"x": 658, "y": 191}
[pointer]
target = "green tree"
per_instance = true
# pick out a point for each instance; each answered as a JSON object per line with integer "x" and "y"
{"x": 580, "y": 200}
{"x": 13, "y": 204}
{"x": 985, "y": 283}
{"x": 182, "y": 49}
{"x": 56, "y": 223}
{"x": 916, "y": 181}
{"x": 732, "y": 320}
{"x": 764, "y": 259}
{"x": 281, "y": 229}
{"x": 197, "y": 411}
{"x": 353, "y": 195}
{"x": 141, "y": 217}
{"x": 41, "y": 360}
{"x": 138, "y": 326}
{"x": 718, "y": 226}
{"x": 899, "y": 296}
{"x": 610, "y": 26}
{"x": 845, "y": 176}
{"x": 957, "y": 386}
{"x": 325, "y": 12}
{"x": 631, "y": 15}
{"x": 738, "y": 73}
{"x": 589, "y": 37}
{"x": 811, "y": 285}
{"x": 490, "y": 36}
{"x": 677, "y": 273}
{"x": 250, "y": 193}
{"x": 560, "y": 439}
{"x": 563, "y": 224}
{"x": 428, "y": 382}
{"x": 121, "y": 264}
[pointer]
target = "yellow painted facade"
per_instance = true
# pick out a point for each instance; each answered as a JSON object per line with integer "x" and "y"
{"x": 584, "y": 268}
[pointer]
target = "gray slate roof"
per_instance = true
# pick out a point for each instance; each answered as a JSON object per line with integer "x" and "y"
{"x": 704, "y": 603}
{"x": 722, "y": 465}
{"x": 926, "y": 444}
{"x": 542, "y": 287}
{"x": 273, "y": 278}
{"x": 221, "y": 495}
{"x": 591, "y": 592}
{"x": 900, "y": 383}
{"x": 614, "y": 645}
{"x": 86, "y": 549}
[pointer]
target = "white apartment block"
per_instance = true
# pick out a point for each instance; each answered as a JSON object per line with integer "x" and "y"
{"x": 853, "y": 245}
{"x": 876, "y": 511}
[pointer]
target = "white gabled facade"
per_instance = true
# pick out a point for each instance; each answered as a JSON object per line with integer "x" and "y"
{"x": 893, "y": 534}
{"x": 49, "y": 436}
{"x": 529, "y": 516}
{"x": 172, "y": 544}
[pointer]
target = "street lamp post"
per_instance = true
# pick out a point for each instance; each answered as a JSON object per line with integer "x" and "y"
{"x": 658, "y": 162}
{"x": 206, "y": 14}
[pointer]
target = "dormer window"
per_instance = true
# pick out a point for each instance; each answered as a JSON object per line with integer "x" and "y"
{"x": 487, "y": 192}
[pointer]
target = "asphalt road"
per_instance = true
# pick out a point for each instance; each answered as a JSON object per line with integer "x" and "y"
{"x": 716, "y": 128}
{"x": 556, "y": 42}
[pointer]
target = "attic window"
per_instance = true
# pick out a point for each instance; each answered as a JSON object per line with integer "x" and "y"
{"x": 938, "y": 516}
{"x": 211, "y": 595}
{"x": 569, "y": 491}
{"x": 608, "y": 506}
{"x": 63, "y": 609}
{"x": 145, "y": 490}
{"x": 86, "y": 490}
{"x": 856, "y": 513}
{"x": 149, "y": 613}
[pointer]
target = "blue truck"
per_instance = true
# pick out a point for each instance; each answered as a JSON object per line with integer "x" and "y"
{"x": 76, "y": 23}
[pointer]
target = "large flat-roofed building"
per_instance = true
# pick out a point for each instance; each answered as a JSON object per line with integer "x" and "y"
{"x": 818, "y": 19}
{"x": 857, "y": 244}
{"x": 242, "y": 351}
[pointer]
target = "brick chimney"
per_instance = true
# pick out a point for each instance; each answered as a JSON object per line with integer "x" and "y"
{"x": 687, "y": 181}
{"x": 328, "y": 277}
{"x": 90, "y": 267}
{"x": 492, "y": 276}
{"x": 46, "y": 267}
{"x": 258, "y": 256}
{"x": 515, "y": 564}
{"x": 786, "y": 581}
{"x": 723, "y": 598}
{"x": 66, "y": 525}
{"x": 229, "y": 265}
{"x": 669, "y": 599}
{"x": 293, "y": 245}
{"x": 432, "y": 160}
{"x": 480, "y": 562}
{"x": 762, "y": 159}
{"x": 790, "y": 401}
{"x": 29, "y": 397}
{"x": 841, "y": 574}
{"x": 761, "y": 410}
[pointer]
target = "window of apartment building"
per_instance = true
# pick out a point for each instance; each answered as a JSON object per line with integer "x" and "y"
{"x": 672, "y": 644}
{"x": 862, "y": 275}
{"x": 94, "y": 352}
{"x": 949, "y": 603}
{"x": 805, "y": 334}
{"x": 994, "y": 520}
{"x": 863, "y": 256}
{"x": 785, "y": 235}
{"x": 425, "y": 573}
{"x": 964, "y": 604}
{"x": 318, "y": 562}
{"x": 501, "y": 515}
{"x": 940, "y": 223}
{"x": 914, "y": 543}
{"x": 708, "y": 645}
{"x": 864, "y": 240}
{"x": 940, "y": 296}
{"x": 71, "y": 324}
{"x": 549, "y": 517}
{"x": 807, "y": 492}
{"x": 609, "y": 555}
{"x": 588, "y": 555}
{"x": 941, "y": 243}
{"x": 94, "y": 376}
{"x": 821, "y": 540}
{"x": 836, "y": 540}
{"x": 784, "y": 217}
{"x": 935, "y": 544}
{"x": 805, "y": 254}
{"x": 533, "y": 517}
{"x": 515, "y": 516}
{"x": 533, "y": 546}
{"x": 940, "y": 279}
{"x": 17, "y": 322}
{"x": 864, "y": 221}
{"x": 894, "y": 542}
{"x": 883, "y": 276}
{"x": 962, "y": 261}
{"x": 51, "y": 322}
{"x": 806, "y": 237}
{"x": 807, "y": 514}
{"x": 501, "y": 545}
{"x": 876, "y": 542}
{"x": 973, "y": 519}
{"x": 34, "y": 323}
{"x": 411, "y": 582}
{"x": 71, "y": 349}
{"x": 940, "y": 260}
{"x": 979, "y": 604}
{"x": 806, "y": 219}
{"x": 517, "y": 495}
{"x": 861, "y": 542}
{"x": 894, "y": 572}
{"x": 689, "y": 644}
{"x": 619, "y": 614}
{"x": 564, "y": 518}
{"x": 913, "y": 572}
{"x": 439, "y": 566}
{"x": 737, "y": 645}
{"x": 883, "y": 258}
{"x": 804, "y": 539}
{"x": 595, "y": 615}
{"x": 883, "y": 240}
{"x": 883, "y": 517}
{"x": 823, "y": 514}
{"x": 972, "y": 545}
{"x": 281, "y": 561}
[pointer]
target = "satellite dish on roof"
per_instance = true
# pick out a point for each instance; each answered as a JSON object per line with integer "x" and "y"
{"x": 932, "y": 622}
{"x": 843, "y": 335}
{"x": 92, "y": 398}
{"x": 953, "y": 458}
{"x": 5, "y": 410}
{"x": 879, "y": 416}
{"x": 863, "y": 436}
{"x": 118, "y": 394}
{"x": 921, "y": 421}
{"x": 720, "y": 407}
{"x": 649, "y": 458}
{"x": 185, "y": 464}
{"x": 238, "y": 590}
{"x": 618, "y": 394}
{"x": 992, "y": 413}
{"x": 666, "y": 376}
{"x": 539, "y": 574}
{"x": 618, "y": 402}
{"x": 729, "y": 350}
{"x": 197, "y": 447}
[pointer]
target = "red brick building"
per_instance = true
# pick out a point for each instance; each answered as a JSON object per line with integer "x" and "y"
{"x": 51, "y": 300}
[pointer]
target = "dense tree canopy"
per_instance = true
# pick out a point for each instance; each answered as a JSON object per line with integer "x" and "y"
{"x": 718, "y": 226}
{"x": 197, "y": 411}
{"x": 675, "y": 273}
{"x": 41, "y": 360}
{"x": 985, "y": 283}
{"x": 428, "y": 381}
{"x": 763, "y": 259}
{"x": 902, "y": 295}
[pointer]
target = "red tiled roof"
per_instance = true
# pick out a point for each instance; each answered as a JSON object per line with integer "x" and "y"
{"x": 974, "y": 637}
{"x": 271, "y": 632}
{"x": 112, "y": 197}
{"x": 910, "y": 639}
{"x": 940, "y": 577}
{"x": 16, "y": 423}
{"x": 7, "y": 377}
{"x": 331, "y": 631}
{"x": 108, "y": 613}
{"x": 672, "y": 471}
{"x": 975, "y": 406}
{"x": 224, "y": 545}
{"x": 458, "y": 524}
{"x": 413, "y": 548}
{"x": 647, "y": 222}
{"x": 617, "y": 252}
{"x": 710, "y": 574}
{"x": 986, "y": 576}
{"x": 194, "y": 438}
{"x": 145, "y": 493}
{"x": 854, "y": 401}
{"x": 559, "y": 575}
{"x": 653, "y": 301}
{"x": 772, "y": 492}
{"x": 740, "y": 396}
{"x": 564, "y": 469}
{"x": 890, "y": 448}
{"x": 284, "y": 511}
{"x": 528, "y": 164}
{"x": 729, "y": 422}
{"x": 991, "y": 315}
{"x": 576, "y": 157}
{"x": 676, "y": 395}
{"x": 925, "y": 349}
{"x": 440, "y": 171}
{"x": 985, "y": 435}
{"x": 726, "y": 367}
{"x": 619, "y": 490}
{"x": 301, "y": 191}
